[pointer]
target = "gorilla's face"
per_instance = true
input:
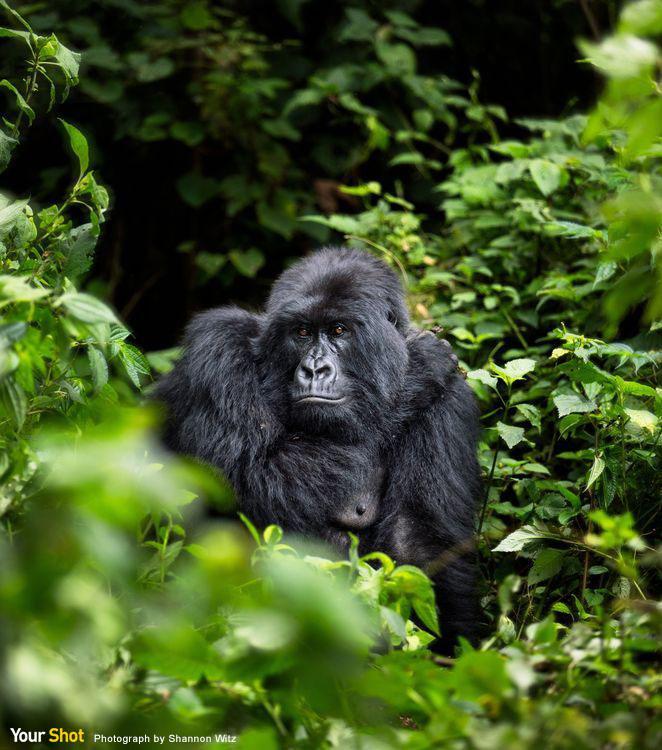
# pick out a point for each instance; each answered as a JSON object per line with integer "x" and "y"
{"x": 319, "y": 378}
{"x": 333, "y": 345}
{"x": 343, "y": 369}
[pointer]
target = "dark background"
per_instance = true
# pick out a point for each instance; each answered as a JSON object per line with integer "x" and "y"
{"x": 525, "y": 52}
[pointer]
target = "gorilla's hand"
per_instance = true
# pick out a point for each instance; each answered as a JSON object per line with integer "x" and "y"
{"x": 432, "y": 368}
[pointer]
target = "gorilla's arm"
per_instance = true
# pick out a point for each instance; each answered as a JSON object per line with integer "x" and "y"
{"x": 217, "y": 411}
{"x": 434, "y": 482}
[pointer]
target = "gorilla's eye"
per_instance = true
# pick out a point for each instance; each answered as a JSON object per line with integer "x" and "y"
{"x": 303, "y": 332}
{"x": 338, "y": 329}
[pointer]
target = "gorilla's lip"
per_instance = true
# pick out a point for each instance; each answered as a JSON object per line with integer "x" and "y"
{"x": 317, "y": 399}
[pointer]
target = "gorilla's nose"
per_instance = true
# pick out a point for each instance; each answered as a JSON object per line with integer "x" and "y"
{"x": 313, "y": 371}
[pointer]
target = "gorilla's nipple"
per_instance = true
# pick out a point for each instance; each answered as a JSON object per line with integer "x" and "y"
{"x": 360, "y": 509}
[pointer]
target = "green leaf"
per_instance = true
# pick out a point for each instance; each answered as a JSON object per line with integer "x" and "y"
{"x": 196, "y": 189}
{"x": 417, "y": 587}
{"x": 78, "y": 247}
{"x": 399, "y": 59}
{"x": 484, "y": 377}
{"x": 519, "y": 539}
{"x": 621, "y": 56}
{"x": 20, "y": 101}
{"x": 78, "y": 145}
{"x": 87, "y": 308}
{"x": 247, "y": 262}
{"x": 98, "y": 367}
{"x": 573, "y": 403}
{"x": 7, "y": 146}
{"x": 514, "y": 370}
{"x": 24, "y": 36}
{"x": 510, "y": 434}
{"x": 531, "y": 413}
{"x": 596, "y": 470}
{"x": 641, "y": 420}
{"x": 13, "y": 401}
{"x": 68, "y": 61}
{"x": 546, "y": 175}
{"x": 547, "y": 564}
{"x": 135, "y": 363}
{"x": 19, "y": 289}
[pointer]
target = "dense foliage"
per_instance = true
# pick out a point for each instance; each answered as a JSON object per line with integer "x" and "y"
{"x": 125, "y": 610}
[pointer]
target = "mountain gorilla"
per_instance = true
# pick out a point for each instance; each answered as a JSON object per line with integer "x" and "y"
{"x": 331, "y": 413}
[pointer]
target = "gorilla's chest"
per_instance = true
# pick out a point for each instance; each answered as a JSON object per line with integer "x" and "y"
{"x": 360, "y": 509}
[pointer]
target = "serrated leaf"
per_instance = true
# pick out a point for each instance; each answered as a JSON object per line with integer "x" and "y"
{"x": 19, "y": 289}
{"x": 573, "y": 403}
{"x": 7, "y": 146}
{"x": 484, "y": 377}
{"x": 642, "y": 420}
{"x": 510, "y": 434}
{"x": 247, "y": 262}
{"x": 546, "y": 175}
{"x": 519, "y": 539}
{"x": 514, "y": 370}
{"x": 14, "y": 401}
{"x": 547, "y": 564}
{"x": 596, "y": 470}
{"x": 417, "y": 587}
{"x": 531, "y": 413}
{"x": 98, "y": 367}
{"x": 87, "y": 308}
{"x": 135, "y": 363}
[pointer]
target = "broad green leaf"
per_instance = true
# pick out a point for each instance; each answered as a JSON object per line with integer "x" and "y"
{"x": 8, "y": 362}
{"x": 196, "y": 189}
{"x": 25, "y": 108}
{"x": 484, "y": 377}
{"x": 398, "y": 58}
{"x": 13, "y": 401}
{"x": 78, "y": 247}
{"x": 573, "y": 403}
{"x": 67, "y": 60}
{"x": 24, "y": 36}
{"x": 546, "y": 175}
{"x": 417, "y": 587}
{"x": 87, "y": 308}
{"x": 511, "y": 435}
{"x": 621, "y": 55}
{"x": 7, "y": 146}
{"x": 572, "y": 230}
{"x": 642, "y": 420}
{"x": 547, "y": 564}
{"x": 596, "y": 470}
{"x": 519, "y": 539}
{"x": 19, "y": 289}
{"x": 78, "y": 145}
{"x": 134, "y": 361}
{"x": 98, "y": 367}
{"x": 514, "y": 370}
{"x": 358, "y": 27}
{"x": 247, "y": 262}
{"x": 531, "y": 413}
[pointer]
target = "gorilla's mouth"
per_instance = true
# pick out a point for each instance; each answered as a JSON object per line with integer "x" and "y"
{"x": 317, "y": 399}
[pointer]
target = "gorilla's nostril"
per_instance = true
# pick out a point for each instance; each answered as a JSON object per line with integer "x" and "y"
{"x": 360, "y": 509}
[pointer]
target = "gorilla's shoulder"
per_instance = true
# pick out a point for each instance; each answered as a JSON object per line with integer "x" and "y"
{"x": 221, "y": 324}
{"x": 217, "y": 348}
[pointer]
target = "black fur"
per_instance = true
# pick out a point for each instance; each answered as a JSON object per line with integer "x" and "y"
{"x": 401, "y": 443}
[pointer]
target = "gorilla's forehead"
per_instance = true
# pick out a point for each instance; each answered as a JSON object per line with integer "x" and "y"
{"x": 320, "y": 308}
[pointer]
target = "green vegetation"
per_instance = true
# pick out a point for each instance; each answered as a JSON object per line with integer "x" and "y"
{"x": 124, "y": 610}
